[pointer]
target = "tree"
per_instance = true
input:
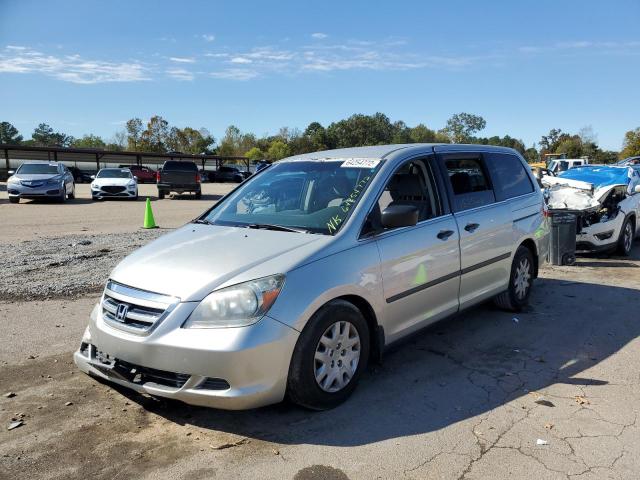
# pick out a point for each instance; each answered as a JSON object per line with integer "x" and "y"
{"x": 89, "y": 141}
{"x": 532, "y": 155}
{"x": 360, "y": 130}
{"x": 235, "y": 142}
{"x": 549, "y": 142}
{"x": 317, "y": 134}
{"x": 119, "y": 140}
{"x": 134, "y": 130}
{"x": 277, "y": 150}
{"x": 255, "y": 154}
{"x": 44, "y": 136}
{"x": 154, "y": 137}
{"x": 462, "y": 126}
{"x": 571, "y": 146}
{"x": 9, "y": 134}
{"x": 631, "y": 144}
{"x": 422, "y": 134}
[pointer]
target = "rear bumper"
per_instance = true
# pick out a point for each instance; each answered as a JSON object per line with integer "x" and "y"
{"x": 179, "y": 188}
{"x": 253, "y": 361}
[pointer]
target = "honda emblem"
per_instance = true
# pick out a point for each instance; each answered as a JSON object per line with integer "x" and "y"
{"x": 121, "y": 312}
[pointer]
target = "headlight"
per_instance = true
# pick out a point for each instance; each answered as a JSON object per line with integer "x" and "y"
{"x": 53, "y": 181}
{"x": 132, "y": 185}
{"x": 95, "y": 186}
{"x": 13, "y": 180}
{"x": 237, "y": 306}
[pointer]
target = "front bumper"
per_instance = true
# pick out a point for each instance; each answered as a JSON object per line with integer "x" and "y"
{"x": 41, "y": 191}
{"x": 99, "y": 194}
{"x": 592, "y": 238}
{"x": 253, "y": 361}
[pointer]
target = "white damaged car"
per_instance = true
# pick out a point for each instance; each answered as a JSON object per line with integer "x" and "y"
{"x": 114, "y": 182}
{"x": 606, "y": 200}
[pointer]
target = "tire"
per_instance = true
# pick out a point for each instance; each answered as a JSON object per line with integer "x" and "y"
{"x": 198, "y": 194}
{"x": 136, "y": 197}
{"x": 625, "y": 241}
{"x": 160, "y": 194}
{"x": 14, "y": 199}
{"x": 303, "y": 388}
{"x": 72, "y": 195}
{"x": 63, "y": 196}
{"x": 520, "y": 282}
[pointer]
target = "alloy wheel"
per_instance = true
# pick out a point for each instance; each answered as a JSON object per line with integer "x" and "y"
{"x": 628, "y": 237}
{"x": 336, "y": 357}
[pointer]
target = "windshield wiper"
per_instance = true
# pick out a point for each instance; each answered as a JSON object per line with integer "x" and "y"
{"x": 202, "y": 221}
{"x": 281, "y": 228}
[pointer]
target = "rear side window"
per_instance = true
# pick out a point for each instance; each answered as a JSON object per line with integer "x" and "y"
{"x": 469, "y": 183}
{"x": 509, "y": 175}
{"x": 180, "y": 166}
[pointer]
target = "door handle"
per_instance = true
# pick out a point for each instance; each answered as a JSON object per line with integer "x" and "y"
{"x": 471, "y": 227}
{"x": 444, "y": 234}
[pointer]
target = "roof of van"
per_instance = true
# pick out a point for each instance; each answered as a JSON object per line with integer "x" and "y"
{"x": 382, "y": 151}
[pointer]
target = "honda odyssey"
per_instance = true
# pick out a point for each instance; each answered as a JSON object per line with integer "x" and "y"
{"x": 308, "y": 270}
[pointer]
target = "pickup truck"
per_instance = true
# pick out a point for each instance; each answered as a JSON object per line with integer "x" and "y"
{"x": 179, "y": 177}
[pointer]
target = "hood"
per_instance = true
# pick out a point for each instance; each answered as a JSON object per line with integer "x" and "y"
{"x": 194, "y": 260}
{"x": 118, "y": 182}
{"x": 35, "y": 176}
{"x": 584, "y": 189}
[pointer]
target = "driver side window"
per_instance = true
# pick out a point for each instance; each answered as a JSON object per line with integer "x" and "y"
{"x": 411, "y": 184}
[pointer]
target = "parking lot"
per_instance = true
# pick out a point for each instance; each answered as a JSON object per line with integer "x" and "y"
{"x": 550, "y": 393}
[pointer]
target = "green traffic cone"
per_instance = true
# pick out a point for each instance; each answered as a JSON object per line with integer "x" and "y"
{"x": 149, "y": 221}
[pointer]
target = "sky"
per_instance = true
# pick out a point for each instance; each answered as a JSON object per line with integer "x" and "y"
{"x": 86, "y": 66}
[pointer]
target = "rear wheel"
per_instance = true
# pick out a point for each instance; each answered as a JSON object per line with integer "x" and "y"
{"x": 329, "y": 357}
{"x": 199, "y": 194}
{"x": 160, "y": 194}
{"x": 625, "y": 241}
{"x": 520, "y": 282}
{"x": 14, "y": 199}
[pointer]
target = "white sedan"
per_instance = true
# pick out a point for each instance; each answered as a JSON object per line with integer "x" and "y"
{"x": 114, "y": 182}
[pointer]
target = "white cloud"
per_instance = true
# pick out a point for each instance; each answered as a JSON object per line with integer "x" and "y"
{"x": 182, "y": 59}
{"x": 70, "y": 68}
{"x": 180, "y": 74}
{"x": 240, "y": 60}
{"x": 319, "y": 35}
{"x": 240, "y": 74}
{"x": 208, "y": 37}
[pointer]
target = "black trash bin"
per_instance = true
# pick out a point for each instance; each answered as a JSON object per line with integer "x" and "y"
{"x": 563, "y": 237}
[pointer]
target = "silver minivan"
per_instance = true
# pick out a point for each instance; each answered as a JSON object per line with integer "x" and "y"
{"x": 308, "y": 270}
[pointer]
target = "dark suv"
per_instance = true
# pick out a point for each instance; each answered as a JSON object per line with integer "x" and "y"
{"x": 228, "y": 174}
{"x": 179, "y": 177}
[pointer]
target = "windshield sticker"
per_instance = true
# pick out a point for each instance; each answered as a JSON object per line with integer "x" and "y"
{"x": 360, "y": 163}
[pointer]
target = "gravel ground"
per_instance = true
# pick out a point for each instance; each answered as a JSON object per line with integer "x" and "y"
{"x": 67, "y": 266}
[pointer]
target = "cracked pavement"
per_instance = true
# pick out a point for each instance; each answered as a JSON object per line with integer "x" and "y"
{"x": 553, "y": 395}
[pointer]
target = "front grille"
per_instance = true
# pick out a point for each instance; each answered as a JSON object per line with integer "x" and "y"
{"x": 136, "y": 311}
{"x": 113, "y": 189}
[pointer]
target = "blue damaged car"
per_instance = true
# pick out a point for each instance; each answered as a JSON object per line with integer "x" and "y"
{"x": 41, "y": 180}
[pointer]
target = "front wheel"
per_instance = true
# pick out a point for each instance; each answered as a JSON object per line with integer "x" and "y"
{"x": 72, "y": 195}
{"x": 520, "y": 282}
{"x": 625, "y": 241}
{"x": 63, "y": 196}
{"x": 14, "y": 199}
{"x": 329, "y": 357}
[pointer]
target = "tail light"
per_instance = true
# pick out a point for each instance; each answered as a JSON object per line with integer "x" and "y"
{"x": 158, "y": 176}
{"x": 197, "y": 178}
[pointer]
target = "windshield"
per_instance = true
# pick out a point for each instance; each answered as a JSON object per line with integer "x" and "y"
{"x": 315, "y": 196}
{"x": 37, "y": 168}
{"x": 114, "y": 173}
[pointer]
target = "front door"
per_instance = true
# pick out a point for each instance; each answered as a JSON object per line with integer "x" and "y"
{"x": 419, "y": 264}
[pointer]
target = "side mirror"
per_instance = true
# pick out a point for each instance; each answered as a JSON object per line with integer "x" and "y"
{"x": 93, "y": 177}
{"x": 135, "y": 178}
{"x": 637, "y": 189}
{"x": 11, "y": 172}
{"x": 395, "y": 216}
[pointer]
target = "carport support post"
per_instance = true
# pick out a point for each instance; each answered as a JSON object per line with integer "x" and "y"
{"x": 138, "y": 160}
{"x": 6, "y": 158}
{"x": 98, "y": 162}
